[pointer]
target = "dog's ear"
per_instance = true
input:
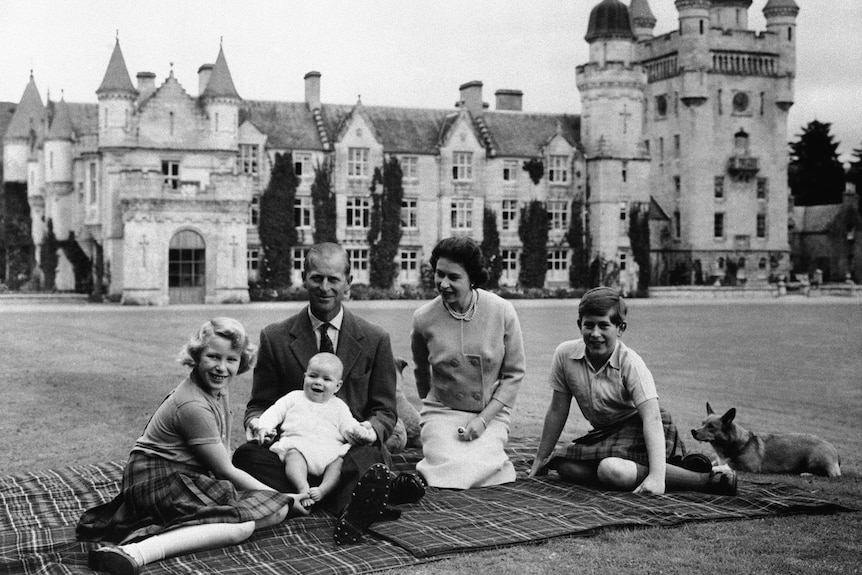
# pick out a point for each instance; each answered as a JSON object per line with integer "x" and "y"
{"x": 727, "y": 418}
{"x": 709, "y": 410}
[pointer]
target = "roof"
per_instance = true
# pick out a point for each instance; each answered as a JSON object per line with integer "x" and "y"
{"x": 220, "y": 84}
{"x": 816, "y": 219}
{"x": 61, "y": 122}
{"x": 780, "y": 7}
{"x": 609, "y": 19}
{"x": 289, "y": 125}
{"x": 117, "y": 75}
{"x": 523, "y": 134}
{"x": 29, "y": 113}
{"x": 641, "y": 14}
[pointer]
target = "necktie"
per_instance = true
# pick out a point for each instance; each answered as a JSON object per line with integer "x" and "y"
{"x": 325, "y": 342}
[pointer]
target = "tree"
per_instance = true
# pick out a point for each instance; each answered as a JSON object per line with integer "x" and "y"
{"x": 323, "y": 201}
{"x": 491, "y": 248}
{"x": 48, "y": 256}
{"x": 579, "y": 243}
{"x": 276, "y": 227}
{"x": 384, "y": 235}
{"x": 533, "y": 231}
{"x": 815, "y": 174}
{"x": 639, "y": 238}
{"x": 854, "y": 173}
{"x": 16, "y": 234}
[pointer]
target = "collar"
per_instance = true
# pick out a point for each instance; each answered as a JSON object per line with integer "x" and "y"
{"x": 334, "y": 322}
{"x": 580, "y": 354}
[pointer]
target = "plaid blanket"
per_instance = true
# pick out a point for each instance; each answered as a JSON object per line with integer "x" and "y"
{"x": 39, "y": 511}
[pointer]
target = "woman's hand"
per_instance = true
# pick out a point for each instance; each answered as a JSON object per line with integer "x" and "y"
{"x": 473, "y": 430}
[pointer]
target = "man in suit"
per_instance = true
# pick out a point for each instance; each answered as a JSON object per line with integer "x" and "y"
{"x": 368, "y": 388}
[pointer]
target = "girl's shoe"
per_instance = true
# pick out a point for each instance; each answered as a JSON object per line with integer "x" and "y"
{"x": 112, "y": 559}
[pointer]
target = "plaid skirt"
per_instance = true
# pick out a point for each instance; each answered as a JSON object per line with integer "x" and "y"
{"x": 158, "y": 495}
{"x": 624, "y": 439}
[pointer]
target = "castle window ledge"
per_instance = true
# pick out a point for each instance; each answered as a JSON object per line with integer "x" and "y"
{"x": 742, "y": 168}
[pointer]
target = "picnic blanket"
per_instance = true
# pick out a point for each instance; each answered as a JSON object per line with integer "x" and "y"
{"x": 39, "y": 511}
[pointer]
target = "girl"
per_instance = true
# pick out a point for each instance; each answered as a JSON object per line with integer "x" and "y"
{"x": 180, "y": 493}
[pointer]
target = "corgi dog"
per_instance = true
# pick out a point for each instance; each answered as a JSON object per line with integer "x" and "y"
{"x": 742, "y": 450}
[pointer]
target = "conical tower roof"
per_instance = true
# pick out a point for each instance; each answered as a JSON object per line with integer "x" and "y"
{"x": 641, "y": 14}
{"x": 220, "y": 84}
{"x": 29, "y": 113}
{"x": 117, "y": 77}
{"x": 61, "y": 124}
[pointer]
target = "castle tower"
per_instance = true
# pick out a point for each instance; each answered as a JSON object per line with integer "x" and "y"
{"x": 693, "y": 58}
{"x": 221, "y": 102}
{"x": 729, "y": 14}
{"x": 116, "y": 97}
{"x": 643, "y": 20}
{"x": 781, "y": 21}
{"x": 612, "y": 100}
{"x": 24, "y": 133}
{"x": 60, "y": 202}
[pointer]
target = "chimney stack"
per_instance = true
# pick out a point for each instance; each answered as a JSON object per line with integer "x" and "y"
{"x": 312, "y": 90}
{"x": 204, "y": 73}
{"x": 511, "y": 100}
{"x": 471, "y": 97}
{"x": 146, "y": 84}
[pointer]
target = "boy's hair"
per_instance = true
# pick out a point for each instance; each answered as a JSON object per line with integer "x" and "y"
{"x": 328, "y": 359}
{"x": 603, "y": 301}
{"x": 228, "y": 328}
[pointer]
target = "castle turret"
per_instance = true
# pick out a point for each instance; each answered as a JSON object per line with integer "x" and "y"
{"x": 116, "y": 97}
{"x": 221, "y": 102}
{"x": 643, "y": 20}
{"x": 24, "y": 133}
{"x": 59, "y": 199}
{"x": 781, "y": 21}
{"x": 694, "y": 56}
{"x": 729, "y": 14}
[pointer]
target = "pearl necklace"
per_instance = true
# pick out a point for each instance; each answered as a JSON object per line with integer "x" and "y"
{"x": 471, "y": 309}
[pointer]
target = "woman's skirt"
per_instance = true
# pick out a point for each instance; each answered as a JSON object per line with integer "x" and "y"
{"x": 453, "y": 463}
{"x": 158, "y": 495}
{"x": 624, "y": 440}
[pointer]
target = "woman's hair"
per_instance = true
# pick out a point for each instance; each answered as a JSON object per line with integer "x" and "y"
{"x": 225, "y": 327}
{"x": 465, "y": 252}
{"x": 603, "y": 301}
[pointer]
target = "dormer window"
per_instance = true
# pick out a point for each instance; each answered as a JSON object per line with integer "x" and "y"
{"x": 558, "y": 170}
{"x": 357, "y": 162}
{"x": 462, "y": 166}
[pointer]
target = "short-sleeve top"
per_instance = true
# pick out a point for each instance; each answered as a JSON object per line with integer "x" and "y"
{"x": 294, "y": 415}
{"x": 609, "y": 394}
{"x": 188, "y": 416}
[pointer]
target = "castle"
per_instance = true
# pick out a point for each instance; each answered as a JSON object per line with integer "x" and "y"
{"x": 161, "y": 188}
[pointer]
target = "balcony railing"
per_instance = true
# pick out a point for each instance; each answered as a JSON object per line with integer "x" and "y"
{"x": 742, "y": 167}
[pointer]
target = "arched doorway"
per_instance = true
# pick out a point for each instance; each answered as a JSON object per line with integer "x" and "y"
{"x": 186, "y": 268}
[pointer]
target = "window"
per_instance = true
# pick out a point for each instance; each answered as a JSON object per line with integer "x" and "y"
{"x": 409, "y": 265}
{"x": 623, "y": 261}
{"x": 254, "y": 210}
{"x": 718, "y": 102}
{"x": 509, "y": 215}
{"x": 252, "y": 263}
{"x": 761, "y": 264}
{"x": 677, "y": 225}
{"x": 462, "y": 214}
{"x": 646, "y": 147}
{"x": 358, "y": 260}
{"x": 761, "y": 225}
{"x": 510, "y": 171}
{"x": 624, "y": 212}
{"x": 171, "y": 172}
{"x": 718, "y": 225}
{"x": 297, "y": 258}
{"x": 661, "y": 105}
{"x": 718, "y": 187}
{"x": 248, "y": 159}
{"x": 302, "y": 210}
{"x": 410, "y": 213}
{"x": 409, "y": 168}
{"x": 510, "y": 264}
{"x": 762, "y": 188}
{"x": 357, "y": 162}
{"x": 677, "y": 186}
{"x": 558, "y": 171}
{"x": 302, "y": 166}
{"x": 558, "y": 261}
{"x": 677, "y": 147}
{"x": 92, "y": 190}
{"x": 558, "y": 215}
{"x": 625, "y": 171}
{"x": 661, "y": 149}
{"x": 462, "y": 166}
{"x": 358, "y": 212}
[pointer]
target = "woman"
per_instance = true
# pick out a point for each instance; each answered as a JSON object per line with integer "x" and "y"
{"x": 180, "y": 493}
{"x": 469, "y": 358}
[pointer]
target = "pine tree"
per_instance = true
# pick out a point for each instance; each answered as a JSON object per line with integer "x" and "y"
{"x": 578, "y": 242}
{"x": 491, "y": 249}
{"x": 533, "y": 232}
{"x": 854, "y": 173}
{"x": 384, "y": 235}
{"x": 276, "y": 227}
{"x": 639, "y": 238}
{"x": 323, "y": 201}
{"x": 815, "y": 174}
{"x": 48, "y": 257}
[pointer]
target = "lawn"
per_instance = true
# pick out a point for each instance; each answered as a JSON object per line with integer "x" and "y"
{"x": 83, "y": 380}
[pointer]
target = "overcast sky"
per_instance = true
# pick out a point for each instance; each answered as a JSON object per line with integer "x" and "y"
{"x": 411, "y": 53}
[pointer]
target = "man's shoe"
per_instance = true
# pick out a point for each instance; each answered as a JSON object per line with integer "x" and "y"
{"x": 721, "y": 483}
{"x": 697, "y": 462}
{"x": 112, "y": 559}
{"x": 367, "y": 505}
{"x": 406, "y": 488}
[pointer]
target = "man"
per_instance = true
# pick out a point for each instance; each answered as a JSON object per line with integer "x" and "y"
{"x": 368, "y": 388}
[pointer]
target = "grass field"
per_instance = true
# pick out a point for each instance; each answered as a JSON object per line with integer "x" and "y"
{"x": 81, "y": 382}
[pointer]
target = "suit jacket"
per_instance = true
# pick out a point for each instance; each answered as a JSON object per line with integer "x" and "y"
{"x": 364, "y": 349}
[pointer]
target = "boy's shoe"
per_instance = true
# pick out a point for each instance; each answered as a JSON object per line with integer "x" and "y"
{"x": 696, "y": 462}
{"x": 367, "y": 505}
{"x": 721, "y": 483}
{"x": 112, "y": 559}
{"x": 406, "y": 488}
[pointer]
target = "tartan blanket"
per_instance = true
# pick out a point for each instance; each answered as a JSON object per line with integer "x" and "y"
{"x": 39, "y": 511}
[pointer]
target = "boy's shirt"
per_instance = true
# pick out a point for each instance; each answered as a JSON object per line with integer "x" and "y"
{"x": 607, "y": 395}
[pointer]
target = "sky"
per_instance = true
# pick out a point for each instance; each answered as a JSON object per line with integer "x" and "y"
{"x": 409, "y": 53}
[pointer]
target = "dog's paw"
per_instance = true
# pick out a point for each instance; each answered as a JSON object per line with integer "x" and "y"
{"x": 723, "y": 468}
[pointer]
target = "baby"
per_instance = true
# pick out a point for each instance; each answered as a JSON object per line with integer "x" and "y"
{"x": 316, "y": 429}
